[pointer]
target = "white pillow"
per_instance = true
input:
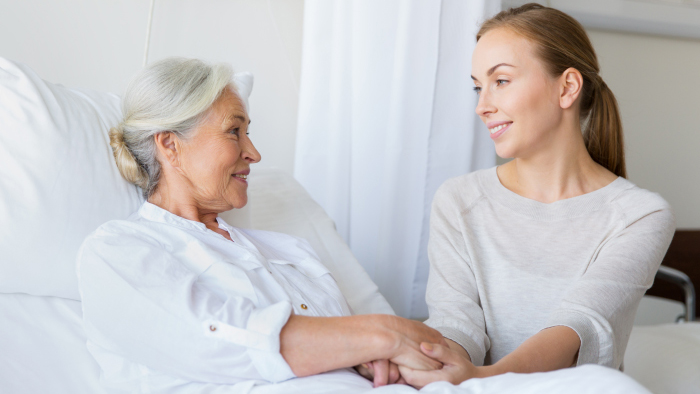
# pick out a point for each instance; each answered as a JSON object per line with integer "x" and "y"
{"x": 58, "y": 179}
{"x": 277, "y": 202}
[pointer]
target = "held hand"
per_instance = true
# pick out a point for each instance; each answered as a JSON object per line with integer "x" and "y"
{"x": 381, "y": 372}
{"x": 407, "y": 336}
{"x": 455, "y": 370}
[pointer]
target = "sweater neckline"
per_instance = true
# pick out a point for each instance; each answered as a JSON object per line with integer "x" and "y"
{"x": 566, "y": 208}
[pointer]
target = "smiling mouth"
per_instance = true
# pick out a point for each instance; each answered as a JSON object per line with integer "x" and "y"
{"x": 241, "y": 176}
{"x": 499, "y": 128}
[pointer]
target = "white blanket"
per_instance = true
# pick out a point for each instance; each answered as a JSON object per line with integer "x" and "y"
{"x": 591, "y": 379}
{"x": 43, "y": 351}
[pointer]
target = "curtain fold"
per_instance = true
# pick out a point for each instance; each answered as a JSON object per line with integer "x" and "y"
{"x": 386, "y": 114}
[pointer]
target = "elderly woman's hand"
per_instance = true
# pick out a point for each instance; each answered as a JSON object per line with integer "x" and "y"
{"x": 405, "y": 339}
{"x": 381, "y": 372}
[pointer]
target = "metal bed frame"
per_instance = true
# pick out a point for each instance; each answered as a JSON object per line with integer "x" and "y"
{"x": 680, "y": 279}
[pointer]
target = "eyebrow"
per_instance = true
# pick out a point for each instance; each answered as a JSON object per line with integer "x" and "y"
{"x": 229, "y": 119}
{"x": 493, "y": 69}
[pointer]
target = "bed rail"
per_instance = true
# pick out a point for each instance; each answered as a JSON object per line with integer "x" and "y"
{"x": 679, "y": 278}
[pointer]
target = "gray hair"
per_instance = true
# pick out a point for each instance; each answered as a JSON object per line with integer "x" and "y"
{"x": 172, "y": 95}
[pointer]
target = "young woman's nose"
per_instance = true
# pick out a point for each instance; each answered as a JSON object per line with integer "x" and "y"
{"x": 485, "y": 107}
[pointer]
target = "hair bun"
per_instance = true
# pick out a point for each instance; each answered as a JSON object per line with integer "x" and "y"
{"x": 130, "y": 169}
{"x": 116, "y": 138}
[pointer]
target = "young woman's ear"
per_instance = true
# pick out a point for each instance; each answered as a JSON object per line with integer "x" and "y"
{"x": 571, "y": 84}
{"x": 168, "y": 146}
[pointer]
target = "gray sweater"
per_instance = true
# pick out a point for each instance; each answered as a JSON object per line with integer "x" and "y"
{"x": 503, "y": 267}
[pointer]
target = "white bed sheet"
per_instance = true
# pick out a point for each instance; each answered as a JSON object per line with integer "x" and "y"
{"x": 42, "y": 350}
{"x": 42, "y": 347}
{"x": 665, "y": 358}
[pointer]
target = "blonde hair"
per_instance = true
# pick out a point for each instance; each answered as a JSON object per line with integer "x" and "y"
{"x": 563, "y": 43}
{"x": 172, "y": 95}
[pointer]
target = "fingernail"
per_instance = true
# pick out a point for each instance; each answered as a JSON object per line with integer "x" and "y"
{"x": 365, "y": 365}
{"x": 427, "y": 346}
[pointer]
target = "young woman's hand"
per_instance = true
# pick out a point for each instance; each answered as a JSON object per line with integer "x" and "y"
{"x": 456, "y": 368}
{"x": 381, "y": 372}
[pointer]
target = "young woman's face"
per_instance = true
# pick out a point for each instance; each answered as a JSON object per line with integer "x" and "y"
{"x": 518, "y": 100}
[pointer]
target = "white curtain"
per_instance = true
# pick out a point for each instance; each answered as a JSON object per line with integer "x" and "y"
{"x": 386, "y": 114}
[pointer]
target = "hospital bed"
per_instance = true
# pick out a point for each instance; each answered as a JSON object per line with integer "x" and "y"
{"x": 58, "y": 182}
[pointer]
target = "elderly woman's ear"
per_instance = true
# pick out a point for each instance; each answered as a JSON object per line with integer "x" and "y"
{"x": 169, "y": 148}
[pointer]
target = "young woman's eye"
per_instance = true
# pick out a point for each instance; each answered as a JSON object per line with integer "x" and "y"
{"x": 500, "y": 82}
{"x": 477, "y": 89}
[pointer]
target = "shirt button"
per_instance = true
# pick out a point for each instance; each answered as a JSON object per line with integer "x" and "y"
{"x": 304, "y": 307}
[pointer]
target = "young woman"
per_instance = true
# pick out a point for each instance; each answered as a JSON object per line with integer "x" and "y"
{"x": 539, "y": 264}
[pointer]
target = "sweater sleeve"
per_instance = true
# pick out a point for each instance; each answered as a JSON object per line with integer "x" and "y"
{"x": 452, "y": 295}
{"x": 602, "y": 304}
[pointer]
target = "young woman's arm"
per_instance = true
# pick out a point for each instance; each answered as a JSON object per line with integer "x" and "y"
{"x": 600, "y": 308}
{"x": 550, "y": 349}
{"x": 452, "y": 294}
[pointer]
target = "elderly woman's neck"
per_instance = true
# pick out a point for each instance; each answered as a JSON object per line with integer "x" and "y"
{"x": 185, "y": 206}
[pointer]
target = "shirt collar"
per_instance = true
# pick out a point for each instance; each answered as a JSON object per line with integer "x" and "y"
{"x": 155, "y": 213}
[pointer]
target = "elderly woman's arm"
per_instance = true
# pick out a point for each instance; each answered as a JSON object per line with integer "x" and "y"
{"x": 140, "y": 301}
{"x": 306, "y": 342}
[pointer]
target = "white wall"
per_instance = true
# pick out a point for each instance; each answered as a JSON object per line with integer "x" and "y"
{"x": 100, "y": 44}
{"x": 657, "y": 82}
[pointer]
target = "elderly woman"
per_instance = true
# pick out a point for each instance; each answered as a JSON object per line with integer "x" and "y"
{"x": 174, "y": 295}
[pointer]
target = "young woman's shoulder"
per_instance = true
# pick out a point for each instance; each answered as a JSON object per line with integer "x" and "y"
{"x": 463, "y": 190}
{"x": 635, "y": 203}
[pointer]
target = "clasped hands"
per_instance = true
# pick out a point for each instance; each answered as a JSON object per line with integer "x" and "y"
{"x": 419, "y": 355}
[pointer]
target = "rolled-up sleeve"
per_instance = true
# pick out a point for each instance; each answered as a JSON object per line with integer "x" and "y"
{"x": 602, "y": 304}
{"x": 141, "y": 303}
{"x": 452, "y": 294}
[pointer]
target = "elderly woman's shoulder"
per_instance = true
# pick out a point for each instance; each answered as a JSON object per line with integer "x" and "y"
{"x": 132, "y": 229}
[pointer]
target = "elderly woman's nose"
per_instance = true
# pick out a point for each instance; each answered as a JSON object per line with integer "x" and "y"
{"x": 249, "y": 152}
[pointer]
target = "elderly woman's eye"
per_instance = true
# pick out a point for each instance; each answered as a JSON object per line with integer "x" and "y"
{"x": 235, "y": 130}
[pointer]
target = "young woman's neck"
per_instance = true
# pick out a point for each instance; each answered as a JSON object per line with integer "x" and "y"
{"x": 562, "y": 169}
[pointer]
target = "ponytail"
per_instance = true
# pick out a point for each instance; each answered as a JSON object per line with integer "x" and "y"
{"x": 562, "y": 43}
{"x": 603, "y": 133}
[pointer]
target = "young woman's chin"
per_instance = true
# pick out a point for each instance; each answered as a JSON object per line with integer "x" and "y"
{"x": 505, "y": 149}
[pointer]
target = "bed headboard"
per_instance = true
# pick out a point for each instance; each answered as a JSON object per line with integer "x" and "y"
{"x": 683, "y": 255}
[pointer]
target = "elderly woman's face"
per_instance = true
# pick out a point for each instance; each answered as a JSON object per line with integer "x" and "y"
{"x": 216, "y": 159}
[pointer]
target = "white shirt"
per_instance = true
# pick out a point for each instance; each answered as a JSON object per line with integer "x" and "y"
{"x": 167, "y": 301}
